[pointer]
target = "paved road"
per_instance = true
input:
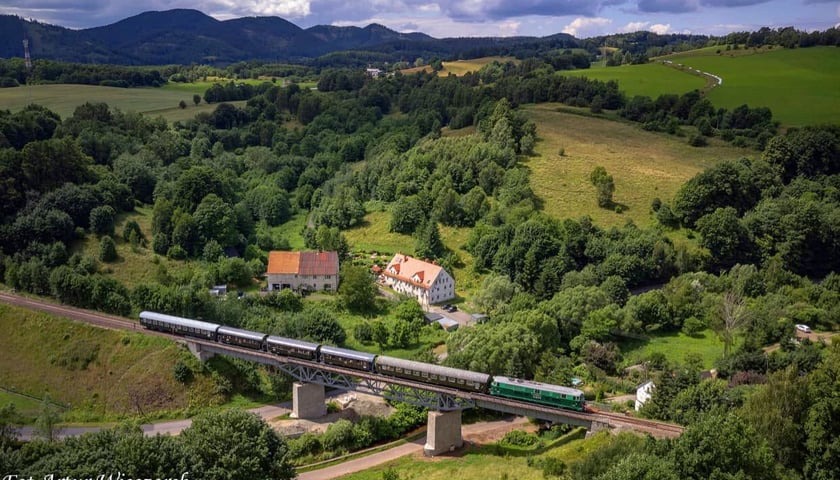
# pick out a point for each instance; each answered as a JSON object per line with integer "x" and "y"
{"x": 172, "y": 427}
{"x": 481, "y": 432}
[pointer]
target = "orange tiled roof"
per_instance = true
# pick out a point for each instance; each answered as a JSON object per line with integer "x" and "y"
{"x": 283, "y": 262}
{"x": 303, "y": 263}
{"x": 407, "y": 267}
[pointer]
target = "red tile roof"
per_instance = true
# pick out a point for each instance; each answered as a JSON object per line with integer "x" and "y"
{"x": 303, "y": 263}
{"x": 407, "y": 267}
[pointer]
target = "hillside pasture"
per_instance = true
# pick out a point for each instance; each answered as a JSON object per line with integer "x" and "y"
{"x": 645, "y": 165}
{"x": 799, "y": 85}
{"x": 460, "y": 67}
{"x": 63, "y": 99}
{"x": 650, "y": 79}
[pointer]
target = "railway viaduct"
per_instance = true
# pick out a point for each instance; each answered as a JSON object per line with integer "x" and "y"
{"x": 444, "y": 404}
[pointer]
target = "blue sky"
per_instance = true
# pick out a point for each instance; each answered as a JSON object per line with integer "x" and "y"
{"x": 455, "y": 18}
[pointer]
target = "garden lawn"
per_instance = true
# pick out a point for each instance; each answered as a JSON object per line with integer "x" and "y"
{"x": 674, "y": 346}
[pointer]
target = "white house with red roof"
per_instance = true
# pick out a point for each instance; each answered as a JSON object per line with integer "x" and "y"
{"x": 303, "y": 271}
{"x": 427, "y": 282}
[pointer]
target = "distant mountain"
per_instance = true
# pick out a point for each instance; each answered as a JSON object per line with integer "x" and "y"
{"x": 189, "y": 36}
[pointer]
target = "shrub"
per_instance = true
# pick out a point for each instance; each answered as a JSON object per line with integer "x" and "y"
{"x": 182, "y": 372}
{"x": 655, "y": 204}
{"x": 520, "y": 438}
{"x": 176, "y": 252}
{"x": 697, "y": 141}
{"x": 363, "y": 332}
{"x": 107, "y": 249}
{"x": 339, "y": 436}
{"x": 102, "y": 220}
{"x": 692, "y": 326}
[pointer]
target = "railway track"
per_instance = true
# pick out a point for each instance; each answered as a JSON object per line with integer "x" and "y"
{"x": 112, "y": 322}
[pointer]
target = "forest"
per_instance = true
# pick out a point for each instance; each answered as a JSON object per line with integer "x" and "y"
{"x": 562, "y": 294}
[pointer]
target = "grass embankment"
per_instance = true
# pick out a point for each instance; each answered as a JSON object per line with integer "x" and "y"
{"x": 645, "y": 165}
{"x": 491, "y": 461}
{"x": 650, "y": 79}
{"x": 101, "y": 374}
{"x": 799, "y": 85}
{"x": 460, "y": 67}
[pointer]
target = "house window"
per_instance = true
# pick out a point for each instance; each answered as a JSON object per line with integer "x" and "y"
{"x": 328, "y": 277}
{"x": 327, "y": 286}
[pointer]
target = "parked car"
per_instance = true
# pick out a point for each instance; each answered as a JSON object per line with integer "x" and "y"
{"x": 451, "y": 308}
{"x": 803, "y": 328}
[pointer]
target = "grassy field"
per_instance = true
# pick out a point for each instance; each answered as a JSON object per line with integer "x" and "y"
{"x": 460, "y": 67}
{"x": 63, "y": 99}
{"x": 644, "y": 165}
{"x": 675, "y": 347}
{"x": 133, "y": 265}
{"x": 102, "y": 374}
{"x": 490, "y": 461}
{"x": 800, "y": 85}
{"x": 651, "y": 79}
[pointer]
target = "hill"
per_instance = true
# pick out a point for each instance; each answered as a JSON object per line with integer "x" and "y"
{"x": 645, "y": 165}
{"x": 799, "y": 85}
{"x": 650, "y": 79}
{"x": 183, "y": 36}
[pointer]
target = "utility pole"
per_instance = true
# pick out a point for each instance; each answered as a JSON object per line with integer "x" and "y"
{"x": 28, "y": 70}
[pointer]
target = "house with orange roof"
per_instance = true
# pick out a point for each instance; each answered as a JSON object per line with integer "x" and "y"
{"x": 303, "y": 271}
{"x": 429, "y": 283}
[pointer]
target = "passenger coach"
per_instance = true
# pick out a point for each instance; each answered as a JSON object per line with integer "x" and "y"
{"x": 179, "y": 326}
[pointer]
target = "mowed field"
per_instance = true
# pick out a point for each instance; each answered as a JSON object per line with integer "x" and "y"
{"x": 650, "y": 79}
{"x": 801, "y": 86}
{"x": 461, "y": 67}
{"x": 645, "y": 165}
{"x": 63, "y": 99}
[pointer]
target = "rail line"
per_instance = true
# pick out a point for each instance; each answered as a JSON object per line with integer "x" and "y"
{"x": 481, "y": 399}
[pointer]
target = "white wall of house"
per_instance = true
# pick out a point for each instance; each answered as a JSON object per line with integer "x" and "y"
{"x": 297, "y": 281}
{"x": 442, "y": 289}
{"x": 643, "y": 393}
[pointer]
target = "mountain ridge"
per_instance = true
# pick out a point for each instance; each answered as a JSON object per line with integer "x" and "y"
{"x": 186, "y": 36}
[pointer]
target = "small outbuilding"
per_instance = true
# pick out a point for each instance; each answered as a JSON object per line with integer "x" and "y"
{"x": 448, "y": 324}
{"x": 643, "y": 393}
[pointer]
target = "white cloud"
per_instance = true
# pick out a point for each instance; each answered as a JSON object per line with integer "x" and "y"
{"x": 281, "y": 8}
{"x": 582, "y": 26}
{"x": 634, "y": 27}
{"x": 660, "y": 29}
{"x": 440, "y": 27}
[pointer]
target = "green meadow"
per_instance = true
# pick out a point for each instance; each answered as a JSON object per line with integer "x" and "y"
{"x": 650, "y": 79}
{"x": 801, "y": 86}
{"x": 645, "y": 165}
{"x": 63, "y": 99}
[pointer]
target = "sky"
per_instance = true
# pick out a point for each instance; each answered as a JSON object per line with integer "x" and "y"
{"x": 465, "y": 18}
